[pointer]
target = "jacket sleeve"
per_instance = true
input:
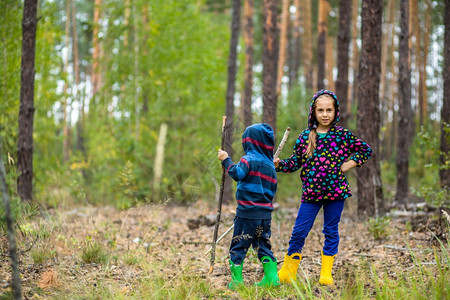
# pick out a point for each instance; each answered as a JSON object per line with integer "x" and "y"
{"x": 360, "y": 149}
{"x": 294, "y": 162}
{"x": 236, "y": 171}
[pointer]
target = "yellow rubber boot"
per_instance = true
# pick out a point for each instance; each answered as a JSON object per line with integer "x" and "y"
{"x": 325, "y": 273}
{"x": 288, "y": 272}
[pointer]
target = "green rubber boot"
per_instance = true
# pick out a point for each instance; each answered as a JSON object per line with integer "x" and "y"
{"x": 236, "y": 276}
{"x": 270, "y": 273}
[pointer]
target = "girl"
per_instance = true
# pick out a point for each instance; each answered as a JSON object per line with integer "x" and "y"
{"x": 323, "y": 152}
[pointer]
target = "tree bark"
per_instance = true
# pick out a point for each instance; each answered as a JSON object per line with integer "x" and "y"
{"x": 15, "y": 282}
{"x": 423, "y": 97}
{"x": 248, "y": 39}
{"x": 144, "y": 70}
{"x": 285, "y": 16}
{"x": 393, "y": 92}
{"x": 330, "y": 63}
{"x": 136, "y": 57}
{"x": 355, "y": 55}
{"x": 405, "y": 114}
{"x": 445, "y": 112}
{"x": 324, "y": 8}
{"x": 269, "y": 59}
{"x": 159, "y": 161}
{"x": 229, "y": 107}
{"x": 26, "y": 110}
{"x": 66, "y": 141}
{"x": 307, "y": 37}
{"x": 95, "y": 75}
{"x": 388, "y": 24}
{"x": 370, "y": 193}
{"x": 296, "y": 49}
{"x": 345, "y": 9}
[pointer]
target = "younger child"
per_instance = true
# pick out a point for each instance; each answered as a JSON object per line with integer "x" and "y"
{"x": 256, "y": 186}
{"x": 324, "y": 152}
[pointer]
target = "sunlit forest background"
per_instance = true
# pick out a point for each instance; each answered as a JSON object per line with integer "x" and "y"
{"x": 109, "y": 141}
{"x": 110, "y": 73}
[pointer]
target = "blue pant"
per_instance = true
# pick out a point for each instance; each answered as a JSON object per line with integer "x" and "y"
{"x": 249, "y": 232}
{"x": 307, "y": 213}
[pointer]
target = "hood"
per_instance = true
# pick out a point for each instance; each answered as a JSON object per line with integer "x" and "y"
{"x": 312, "y": 121}
{"x": 258, "y": 138}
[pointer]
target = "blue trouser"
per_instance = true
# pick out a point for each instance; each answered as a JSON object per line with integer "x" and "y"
{"x": 307, "y": 213}
{"x": 249, "y": 232}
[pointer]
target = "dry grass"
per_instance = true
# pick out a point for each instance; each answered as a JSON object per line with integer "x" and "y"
{"x": 151, "y": 253}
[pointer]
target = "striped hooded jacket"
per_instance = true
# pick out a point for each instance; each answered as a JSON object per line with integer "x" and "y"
{"x": 255, "y": 173}
{"x": 321, "y": 175}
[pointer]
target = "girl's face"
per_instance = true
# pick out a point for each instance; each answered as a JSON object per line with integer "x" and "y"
{"x": 324, "y": 112}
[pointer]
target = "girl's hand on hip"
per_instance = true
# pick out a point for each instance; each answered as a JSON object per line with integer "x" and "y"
{"x": 348, "y": 165}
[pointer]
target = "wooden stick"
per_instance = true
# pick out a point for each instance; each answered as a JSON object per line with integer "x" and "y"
{"x": 219, "y": 206}
{"x": 220, "y": 238}
{"x": 283, "y": 141}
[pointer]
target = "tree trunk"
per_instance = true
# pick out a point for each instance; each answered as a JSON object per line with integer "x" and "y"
{"x": 355, "y": 55}
{"x": 388, "y": 24}
{"x": 415, "y": 47}
{"x": 15, "y": 281}
{"x": 144, "y": 70}
{"x": 159, "y": 161}
{"x": 330, "y": 62}
{"x": 66, "y": 141}
{"x": 248, "y": 39}
{"x": 296, "y": 49}
{"x": 76, "y": 73}
{"x": 345, "y": 8}
{"x": 370, "y": 193}
{"x": 445, "y": 112}
{"x": 136, "y": 71}
{"x": 285, "y": 16}
{"x": 393, "y": 93}
{"x": 269, "y": 59}
{"x": 26, "y": 110}
{"x": 229, "y": 107}
{"x": 324, "y": 8}
{"x": 95, "y": 75}
{"x": 405, "y": 114}
{"x": 423, "y": 98}
{"x": 307, "y": 37}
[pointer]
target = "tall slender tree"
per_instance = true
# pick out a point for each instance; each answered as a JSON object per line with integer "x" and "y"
{"x": 95, "y": 74}
{"x": 307, "y": 37}
{"x": 423, "y": 55}
{"x": 370, "y": 193}
{"x": 405, "y": 114}
{"x": 248, "y": 40}
{"x": 15, "y": 278}
{"x": 345, "y": 9}
{"x": 231, "y": 88}
{"x": 386, "y": 45}
{"x": 269, "y": 59}
{"x": 330, "y": 62}
{"x": 393, "y": 87}
{"x": 296, "y": 49}
{"x": 26, "y": 109}
{"x": 355, "y": 54}
{"x": 66, "y": 140}
{"x": 445, "y": 112}
{"x": 324, "y": 8}
{"x": 285, "y": 16}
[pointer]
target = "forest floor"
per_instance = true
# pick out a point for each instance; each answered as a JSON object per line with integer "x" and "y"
{"x": 154, "y": 242}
